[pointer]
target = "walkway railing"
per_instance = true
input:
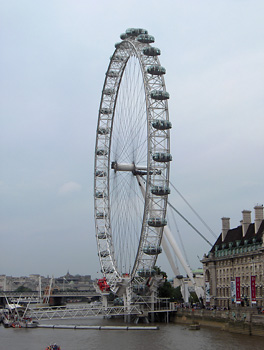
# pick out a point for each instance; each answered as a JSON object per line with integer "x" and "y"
{"x": 80, "y": 312}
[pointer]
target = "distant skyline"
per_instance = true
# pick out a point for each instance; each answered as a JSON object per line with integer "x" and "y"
{"x": 53, "y": 63}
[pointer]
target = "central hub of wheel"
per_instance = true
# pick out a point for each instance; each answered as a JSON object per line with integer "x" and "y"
{"x": 123, "y": 166}
{"x": 135, "y": 169}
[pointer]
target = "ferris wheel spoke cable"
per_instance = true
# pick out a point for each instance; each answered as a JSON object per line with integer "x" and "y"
{"x": 116, "y": 181}
{"x": 126, "y": 222}
{"x": 128, "y": 90}
{"x": 135, "y": 127}
{"x": 132, "y": 113}
{"x": 129, "y": 134}
{"x": 125, "y": 202}
{"x": 124, "y": 180}
{"x": 121, "y": 206}
{"x": 128, "y": 156}
{"x": 125, "y": 150}
{"x": 179, "y": 235}
{"x": 128, "y": 140}
{"x": 188, "y": 222}
{"x": 199, "y": 217}
{"x": 127, "y": 226}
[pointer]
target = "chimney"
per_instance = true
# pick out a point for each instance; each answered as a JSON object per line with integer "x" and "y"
{"x": 246, "y": 221}
{"x": 258, "y": 216}
{"x": 225, "y": 227}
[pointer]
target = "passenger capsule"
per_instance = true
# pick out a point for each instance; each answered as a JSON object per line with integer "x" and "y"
{"x": 123, "y": 36}
{"x": 152, "y": 249}
{"x": 151, "y": 51}
{"x": 162, "y": 124}
{"x": 102, "y": 235}
{"x": 136, "y": 31}
{"x": 102, "y": 152}
{"x": 162, "y": 157}
{"x": 156, "y": 70}
{"x": 160, "y": 190}
{"x": 100, "y": 173}
{"x": 100, "y": 194}
{"x": 112, "y": 74}
{"x": 146, "y": 273}
{"x": 139, "y": 288}
{"x": 117, "y": 58}
{"x": 103, "y": 131}
{"x": 101, "y": 215}
{"x": 106, "y": 110}
{"x": 157, "y": 222}
{"x": 146, "y": 38}
{"x": 104, "y": 253}
{"x": 108, "y": 92}
{"x": 159, "y": 95}
{"x": 118, "y": 44}
{"x": 118, "y": 302}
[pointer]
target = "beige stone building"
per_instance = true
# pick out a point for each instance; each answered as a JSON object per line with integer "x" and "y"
{"x": 234, "y": 267}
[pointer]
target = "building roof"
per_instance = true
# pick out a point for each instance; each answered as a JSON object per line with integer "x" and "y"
{"x": 235, "y": 236}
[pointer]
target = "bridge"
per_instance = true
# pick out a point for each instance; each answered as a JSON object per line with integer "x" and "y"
{"x": 56, "y": 298}
{"x": 55, "y": 293}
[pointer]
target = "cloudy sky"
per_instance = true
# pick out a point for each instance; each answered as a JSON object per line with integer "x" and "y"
{"x": 54, "y": 55}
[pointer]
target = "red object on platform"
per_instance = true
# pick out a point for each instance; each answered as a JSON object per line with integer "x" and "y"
{"x": 103, "y": 285}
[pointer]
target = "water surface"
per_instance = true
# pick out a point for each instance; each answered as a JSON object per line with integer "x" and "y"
{"x": 168, "y": 337}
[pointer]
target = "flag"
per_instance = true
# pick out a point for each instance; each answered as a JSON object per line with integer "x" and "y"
{"x": 238, "y": 295}
{"x": 253, "y": 289}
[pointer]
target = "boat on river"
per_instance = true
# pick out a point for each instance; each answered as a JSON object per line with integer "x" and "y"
{"x": 53, "y": 347}
{"x": 14, "y": 317}
{"x": 194, "y": 326}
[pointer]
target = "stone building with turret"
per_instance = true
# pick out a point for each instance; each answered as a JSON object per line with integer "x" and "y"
{"x": 234, "y": 267}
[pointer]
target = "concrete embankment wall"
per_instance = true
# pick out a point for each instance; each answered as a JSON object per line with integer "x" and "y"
{"x": 243, "y": 321}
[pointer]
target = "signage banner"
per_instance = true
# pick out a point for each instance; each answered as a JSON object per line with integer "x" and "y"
{"x": 233, "y": 291}
{"x": 238, "y": 294}
{"x": 207, "y": 292}
{"x": 253, "y": 289}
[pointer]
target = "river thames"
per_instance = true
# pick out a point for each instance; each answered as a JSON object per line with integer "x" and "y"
{"x": 168, "y": 337}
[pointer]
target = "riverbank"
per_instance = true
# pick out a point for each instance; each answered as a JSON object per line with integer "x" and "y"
{"x": 240, "y": 320}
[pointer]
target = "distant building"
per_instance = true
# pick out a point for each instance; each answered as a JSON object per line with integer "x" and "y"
{"x": 10, "y": 283}
{"x": 234, "y": 267}
{"x": 67, "y": 282}
{"x": 76, "y": 282}
{"x": 3, "y": 282}
{"x": 198, "y": 278}
{"x": 186, "y": 284}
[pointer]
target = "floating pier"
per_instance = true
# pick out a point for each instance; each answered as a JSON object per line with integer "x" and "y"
{"x": 100, "y": 328}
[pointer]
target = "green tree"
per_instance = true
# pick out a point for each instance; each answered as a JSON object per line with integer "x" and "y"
{"x": 178, "y": 295}
{"x": 193, "y": 298}
{"x": 159, "y": 272}
{"x": 166, "y": 290}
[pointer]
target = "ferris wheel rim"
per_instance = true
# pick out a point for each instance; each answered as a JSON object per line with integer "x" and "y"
{"x": 107, "y": 258}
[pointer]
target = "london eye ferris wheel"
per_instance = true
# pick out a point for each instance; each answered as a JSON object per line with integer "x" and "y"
{"x": 132, "y": 157}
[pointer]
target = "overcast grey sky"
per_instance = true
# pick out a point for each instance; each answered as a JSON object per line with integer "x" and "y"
{"x": 54, "y": 55}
